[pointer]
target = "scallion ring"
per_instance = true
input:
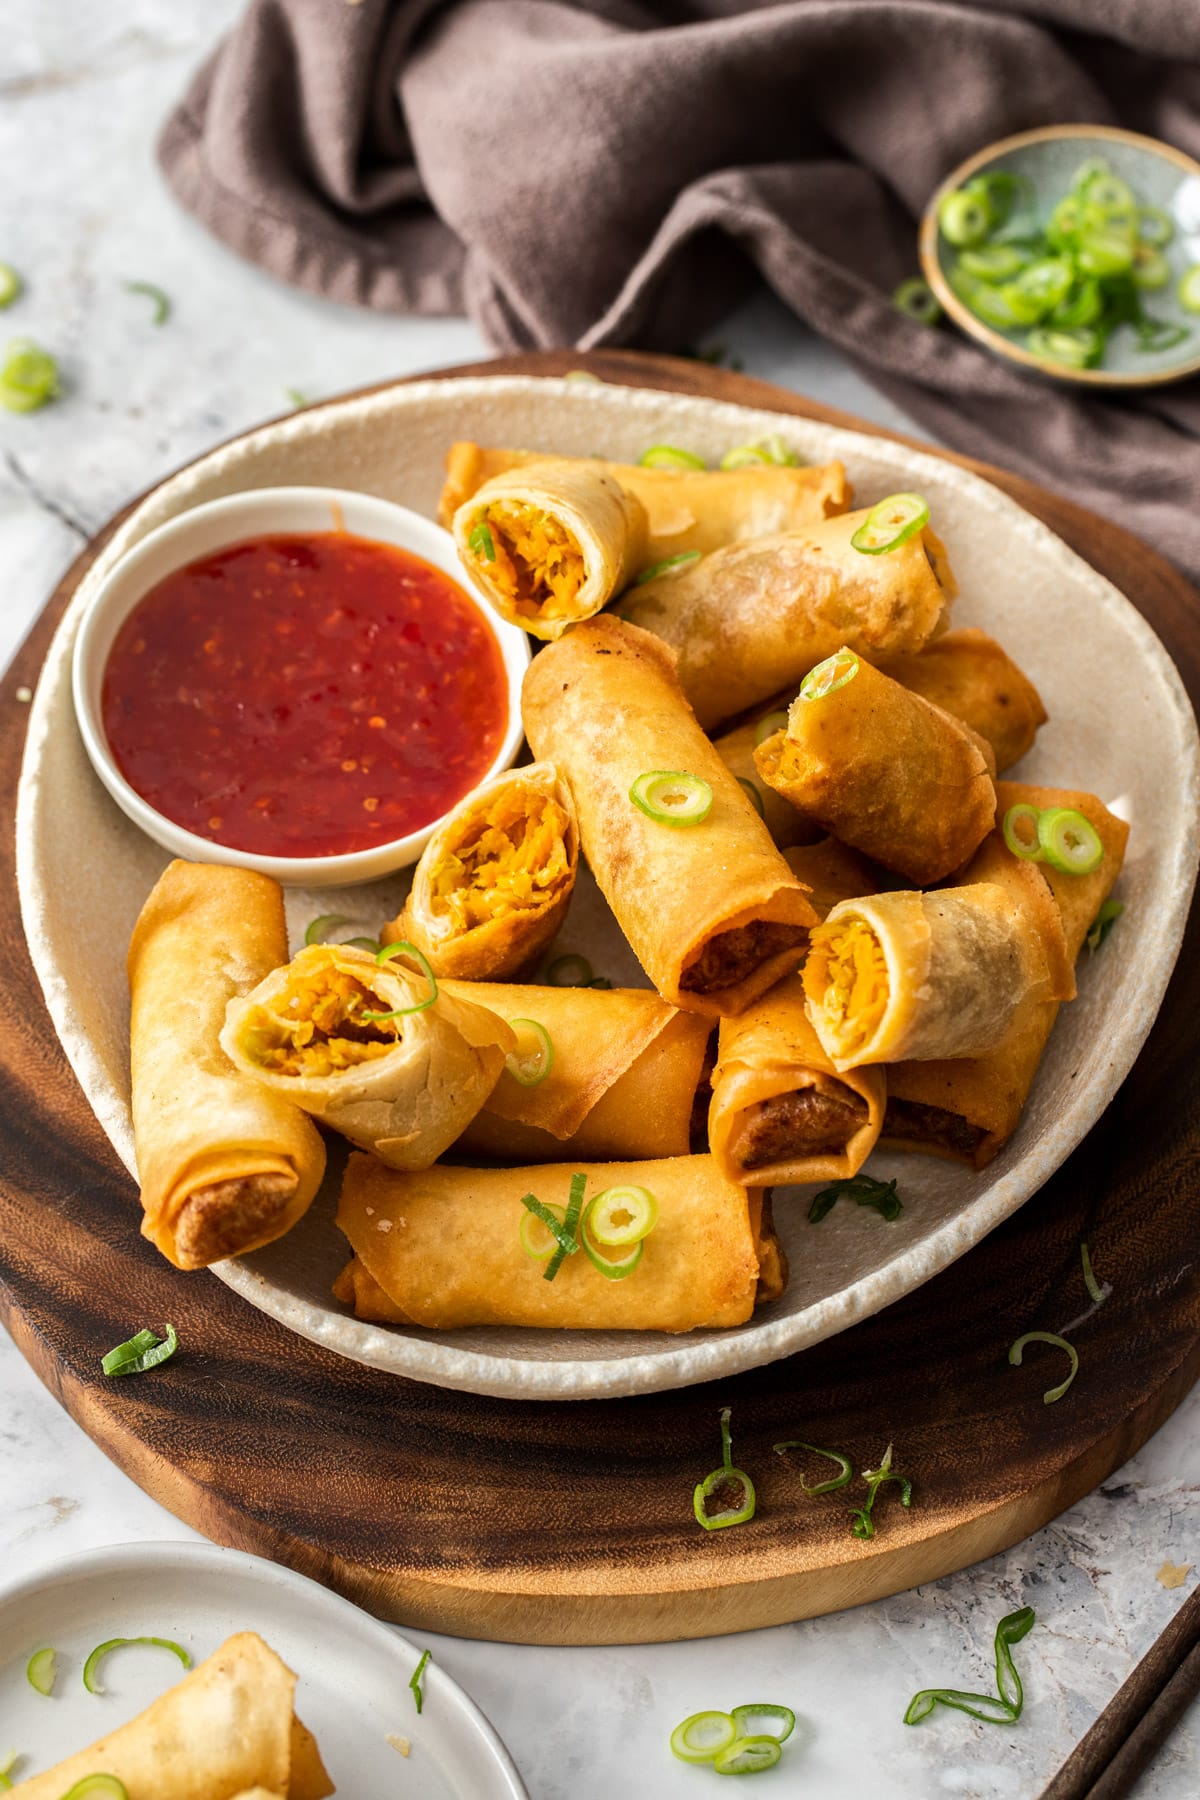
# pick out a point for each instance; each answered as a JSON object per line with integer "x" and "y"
{"x": 829, "y": 676}
{"x": 102, "y": 1650}
{"x": 363, "y": 943}
{"x": 1020, "y": 827}
{"x": 1097, "y": 1293}
{"x": 1070, "y": 843}
{"x": 964, "y": 218}
{"x": 160, "y": 301}
{"x": 1155, "y": 226}
{"x": 726, "y": 1476}
{"x": 669, "y": 456}
{"x": 753, "y": 795}
{"x": 1078, "y": 347}
{"x": 771, "y": 450}
{"x": 843, "y": 1477}
{"x": 768, "y": 725}
{"x": 1151, "y": 270}
{"x": 28, "y": 376}
{"x": 481, "y": 543}
{"x": 537, "y": 1238}
{"x": 670, "y": 565}
{"x": 1060, "y": 1343}
{"x": 141, "y": 1352}
{"x": 570, "y": 971}
{"x": 10, "y": 284}
{"x": 40, "y": 1669}
{"x": 571, "y": 1226}
{"x": 994, "y": 262}
{"x": 702, "y": 1736}
{"x": 404, "y": 948}
{"x": 613, "y": 1268}
{"x": 672, "y": 797}
{"x": 530, "y": 1063}
{"x": 748, "y": 1756}
{"x": 621, "y": 1215}
{"x": 891, "y": 524}
{"x": 917, "y": 299}
{"x": 98, "y": 1787}
{"x": 315, "y": 932}
{"x": 749, "y": 1720}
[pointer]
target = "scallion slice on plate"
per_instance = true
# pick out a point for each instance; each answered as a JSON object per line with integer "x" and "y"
{"x": 891, "y": 524}
{"x": 533, "y": 1058}
{"x": 40, "y": 1670}
{"x": 97, "y": 1656}
{"x": 404, "y": 948}
{"x": 669, "y": 456}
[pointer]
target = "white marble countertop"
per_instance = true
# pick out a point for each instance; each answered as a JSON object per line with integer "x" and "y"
{"x": 82, "y": 211}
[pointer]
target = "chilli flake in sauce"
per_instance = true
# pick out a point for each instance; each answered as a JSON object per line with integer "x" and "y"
{"x": 305, "y": 695}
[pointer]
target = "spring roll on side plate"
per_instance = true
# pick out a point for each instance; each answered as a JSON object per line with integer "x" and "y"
{"x": 443, "y": 1250}
{"x": 224, "y": 1166}
{"x": 494, "y": 882}
{"x": 712, "y": 911}
{"x": 970, "y": 677}
{"x": 357, "y": 1044}
{"x": 754, "y": 618}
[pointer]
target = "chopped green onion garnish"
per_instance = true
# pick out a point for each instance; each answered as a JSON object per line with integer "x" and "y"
{"x": 415, "y": 1683}
{"x": 570, "y": 1225}
{"x": 1070, "y": 843}
{"x": 145, "y": 1351}
{"x": 481, "y": 543}
{"x": 750, "y": 1720}
{"x": 622, "y": 1215}
{"x": 964, "y": 218}
{"x": 994, "y": 262}
{"x": 315, "y": 933}
{"x": 725, "y": 1476}
{"x": 570, "y": 971}
{"x": 1151, "y": 270}
{"x": 916, "y": 298}
{"x": 1060, "y": 1343}
{"x": 667, "y": 456}
{"x": 1154, "y": 335}
{"x": 401, "y": 1012}
{"x": 28, "y": 376}
{"x": 753, "y": 795}
{"x": 703, "y": 1736}
{"x": 672, "y": 797}
{"x": 1103, "y": 923}
{"x": 555, "y": 1223}
{"x": 828, "y": 676}
{"x": 861, "y": 1522}
{"x": 768, "y": 725}
{"x": 1099, "y": 1294}
{"x": 161, "y": 302}
{"x": 39, "y": 1670}
{"x": 669, "y": 565}
{"x": 10, "y": 284}
{"x": 530, "y": 1063}
{"x": 748, "y": 1756}
{"x": 771, "y": 450}
{"x": 98, "y": 1787}
{"x": 1082, "y": 306}
{"x": 891, "y": 524}
{"x": 102, "y": 1650}
{"x": 865, "y": 1190}
{"x": 1155, "y": 226}
{"x": 1020, "y": 827}
{"x": 843, "y": 1477}
{"x": 1078, "y": 347}
{"x": 1004, "y": 1707}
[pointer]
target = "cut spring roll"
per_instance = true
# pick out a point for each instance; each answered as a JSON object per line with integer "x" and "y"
{"x": 969, "y": 676}
{"x": 494, "y": 882}
{"x": 967, "y": 1110}
{"x": 227, "y": 1728}
{"x": 444, "y": 1250}
{"x": 359, "y": 1045}
{"x": 786, "y": 824}
{"x": 224, "y": 1166}
{"x": 882, "y": 769}
{"x": 754, "y": 618}
{"x": 624, "y": 1070}
{"x": 712, "y": 911}
{"x": 780, "y": 1112}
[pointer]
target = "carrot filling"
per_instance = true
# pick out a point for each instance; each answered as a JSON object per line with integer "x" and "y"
{"x": 538, "y": 566}
{"x": 511, "y": 856}
{"x": 850, "y": 980}
{"x": 316, "y": 1026}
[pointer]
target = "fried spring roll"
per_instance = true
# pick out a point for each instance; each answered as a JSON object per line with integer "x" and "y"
{"x": 754, "y": 618}
{"x": 494, "y": 882}
{"x": 224, "y": 1166}
{"x": 967, "y": 1110}
{"x": 786, "y": 824}
{"x": 969, "y": 676}
{"x": 357, "y": 1044}
{"x": 443, "y": 1250}
{"x": 625, "y": 1070}
{"x": 712, "y": 911}
{"x": 882, "y": 769}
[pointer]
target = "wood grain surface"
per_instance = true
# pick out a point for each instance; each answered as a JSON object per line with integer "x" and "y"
{"x": 572, "y": 1523}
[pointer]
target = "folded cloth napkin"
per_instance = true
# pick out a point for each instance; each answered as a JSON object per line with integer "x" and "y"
{"x": 594, "y": 172}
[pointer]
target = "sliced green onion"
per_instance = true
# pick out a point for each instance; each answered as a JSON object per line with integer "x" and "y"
{"x": 725, "y": 1475}
{"x": 161, "y": 302}
{"x": 1098, "y": 1294}
{"x": 861, "y": 1522}
{"x": 1003, "y": 1707}
{"x": 1159, "y": 334}
{"x": 1002, "y": 189}
{"x": 891, "y": 524}
{"x": 28, "y": 376}
{"x": 1020, "y": 829}
{"x": 770, "y": 449}
{"x": 672, "y": 797}
{"x": 843, "y": 1477}
{"x": 530, "y": 1065}
{"x": 10, "y": 284}
{"x": 1078, "y": 348}
{"x": 829, "y": 676}
{"x": 415, "y": 1683}
{"x": 669, "y": 565}
{"x": 864, "y": 1190}
{"x": 145, "y": 1351}
{"x": 363, "y": 943}
{"x": 614, "y": 1268}
{"x": 1082, "y": 306}
{"x": 481, "y": 543}
{"x": 749, "y": 1720}
{"x": 102, "y": 1650}
{"x": 39, "y": 1670}
{"x": 1155, "y": 226}
{"x": 1070, "y": 843}
{"x": 1151, "y": 270}
{"x": 570, "y": 971}
{"x": 1017, "y": 1351}
{"x": 993, "y": 305}
{"x": 748, "y": 1756}
{"x": 98, "y": 1787}
{"x": 1104, "y": 253}
{"x": 538, "y": 1239}
{"x": 315, "y": 933}
{"x": 401, "y": 1012}
{"x": 668, "y": 456}
{"x": 1043, "y": 284}
{"x": 916, "y": 298}
{"x": 575, "y": 1195}
{"x": 768, "y": 725}
{"x": 994, "y": 262}
{"x": 556, "y": 1224}
{"x": 755, "y": 798}
{"x": 702, "y": 1736}
{"x": 1108, "y": 191}
{"x": 964, "y": 218}
{"x": 1103, "y": 923}
{"x": 622, "y": 1215}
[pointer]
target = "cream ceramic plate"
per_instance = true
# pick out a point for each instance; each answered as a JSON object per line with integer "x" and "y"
{"x": 1120, "y": 726}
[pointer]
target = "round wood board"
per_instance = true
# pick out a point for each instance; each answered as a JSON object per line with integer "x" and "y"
{"x": 572, "y": 1522}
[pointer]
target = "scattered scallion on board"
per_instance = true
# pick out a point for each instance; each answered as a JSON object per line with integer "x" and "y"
{"x": 727, "y": 1476}
{"x": 843, "y": 1477}
{"x": 40, "y": 1670}
{"x": 145, "y": 1350}
{"x": 97, "y": 1656}
{"x": 864, "y": 1190}
{"x": 861, "y": 1521}
{"x": 1017, "y": 1351}
{"x": 28, "y": 376}
{"x": 160, "y": 301}
{"x": 1098, "y": 1294}
{"x": 415, "y": 1683}
{"x": 1004, "y": 1706}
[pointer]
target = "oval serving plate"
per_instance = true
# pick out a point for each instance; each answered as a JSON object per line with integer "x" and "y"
{"x": 1120, "y": 726}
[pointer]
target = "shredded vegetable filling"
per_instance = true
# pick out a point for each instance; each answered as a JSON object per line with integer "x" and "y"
{"x": 511, "y": 857}
{"x": 855, "y": 975}
{"x": 316, "y": 1027}
{"x": 538, "y": 565}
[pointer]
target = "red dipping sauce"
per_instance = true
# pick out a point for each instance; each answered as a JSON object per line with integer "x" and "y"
{"x": 305, "y": 695}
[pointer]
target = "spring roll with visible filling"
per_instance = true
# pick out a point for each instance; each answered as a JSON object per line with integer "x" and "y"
{"x": 780, "y": 1112}
{"x": 967, "y": 1110}
{"x": 712, "y": 911}
{"x": 494, "y": 882}
{"x": 357, "y": 1044}
{"x": 785, "y": 822}
{"x": 754, "y": 618}
{"x": 443, "y": 1250}
{"x": 970, "y": 677}
{"x": 624, "y": 1073}
{"x": 883, "y": 770}
{"x": 227, "y": 1728}
{"x": 224, "y": 1166}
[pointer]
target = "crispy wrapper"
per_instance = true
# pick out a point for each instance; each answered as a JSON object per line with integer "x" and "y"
{"x": 403, "y": 1087}
{"x": 226, "y": 1729}
{"x": 622, "y": 1082}
{"x": 967, "y": 1110}
{"x": 786, "y": 824}
{"x": 224, "y": 1166}
{"x": 443, "y": 1249}
{"x": 884, "y": 770}
{"x": 969, "y": 676}
{"x": 712, "y": 911}
{"x": 754, "y": 618}
{"x": 494, "y": 882}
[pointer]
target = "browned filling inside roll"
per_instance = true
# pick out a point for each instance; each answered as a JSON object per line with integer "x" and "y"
{"x": 218, "y": 1221}
{"x": 916, "y": 1123}
{"x": 809, "y": 1122}
{"x": 731, "y": 956}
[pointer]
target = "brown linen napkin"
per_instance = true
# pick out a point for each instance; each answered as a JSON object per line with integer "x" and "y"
{"x": 612, "y": 173}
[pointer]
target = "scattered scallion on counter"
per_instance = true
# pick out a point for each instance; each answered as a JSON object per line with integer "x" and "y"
{"x": 670, "y": 565}
{"x": 916, "y": 298}
{"x": 864, "y": 1190}
{"x": 843, "y": 1477}
{"x": 861, "y": 1521}
{"x": 160, "y": 301}
{"x": 1017, "y": 1351}
{"x": 1098, "y": 1294}
{"x": 143, "y": 1351}
{"x": 570, "y": 971}
{"x": 10, "y": 284}
{"x": 481, "y": 543}
{"x": 742, "y": 1742}
{"x": 672, "y": 797}
{"x": 28, "y": 376}
{"x": 317, "y": 928}
{"x": 531, "y": 1061}
{"x": 97, "y": 1656}
{"x": 415, "y": 1683}
{"x": 891, "y": 523}
{"x": 1004, "y": 1706}
{"x": 404, "y": 948}
{"x": 669, "y": 456}
{"x": 98, "y": 1787}
{"x": 727, "y": 1476}
{"x": 1103, "y": 923}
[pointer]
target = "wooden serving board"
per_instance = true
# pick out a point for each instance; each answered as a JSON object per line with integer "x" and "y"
{"x": 572, "y": 1523}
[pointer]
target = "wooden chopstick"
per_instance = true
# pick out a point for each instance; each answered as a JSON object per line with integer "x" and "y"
{"x": 1105, "y": 1764}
